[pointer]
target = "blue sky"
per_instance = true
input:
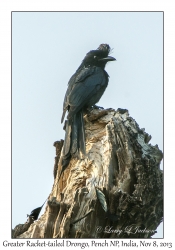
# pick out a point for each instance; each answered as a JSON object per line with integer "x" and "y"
{"x": 42, "y": 44}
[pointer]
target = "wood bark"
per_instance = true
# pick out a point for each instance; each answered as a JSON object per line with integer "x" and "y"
{"x": 121, "y": 168}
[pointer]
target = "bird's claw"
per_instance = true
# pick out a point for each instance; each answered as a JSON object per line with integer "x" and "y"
{"x": 97, "y": 107}
{"x": 94, "y": 107}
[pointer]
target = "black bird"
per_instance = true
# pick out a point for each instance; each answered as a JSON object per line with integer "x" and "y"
{"x": 85, "y": 89}
{"x": 35, "y": 212}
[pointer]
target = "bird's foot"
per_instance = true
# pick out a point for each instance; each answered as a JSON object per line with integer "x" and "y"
{"x": 97, "y": 107}
{"x": 94, "y": 107}
{"x": 122, "y": 111}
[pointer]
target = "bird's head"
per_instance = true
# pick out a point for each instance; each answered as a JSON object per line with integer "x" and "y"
{"x": 99, "y": 57}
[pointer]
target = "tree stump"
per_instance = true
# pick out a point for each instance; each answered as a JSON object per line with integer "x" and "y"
{"x": 116, "y": 191}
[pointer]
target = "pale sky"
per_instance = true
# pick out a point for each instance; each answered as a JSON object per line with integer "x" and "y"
{"x": 47, "y": 48}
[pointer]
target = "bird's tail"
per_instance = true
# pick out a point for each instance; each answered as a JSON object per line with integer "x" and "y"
{"x": 78, "y": 136}
{"x": 74, "y": 142}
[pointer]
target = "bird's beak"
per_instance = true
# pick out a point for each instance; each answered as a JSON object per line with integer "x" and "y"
{"x": 108, "y": 58}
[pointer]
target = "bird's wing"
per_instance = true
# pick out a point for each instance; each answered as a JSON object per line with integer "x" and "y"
{"x": 79, "y": 75}
{"x": 84, "y": 73}
{"x": 87, "y": 83}
{"x": 69, "y": 89}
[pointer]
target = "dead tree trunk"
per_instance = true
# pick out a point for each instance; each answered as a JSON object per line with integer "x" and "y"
{"x": 115, "y": 192}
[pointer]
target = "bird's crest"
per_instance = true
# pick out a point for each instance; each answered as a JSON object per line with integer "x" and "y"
{"x": 104, "y": 47}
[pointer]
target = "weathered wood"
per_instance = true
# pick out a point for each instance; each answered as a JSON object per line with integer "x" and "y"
{"x": 58, "y": 145}
{"x": 122, "y": 165}
{"x": 54, "y": 207}
{"x": 21, "y": 228}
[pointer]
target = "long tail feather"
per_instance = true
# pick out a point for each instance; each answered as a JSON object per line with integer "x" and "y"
{"x": 74, "y": 142}
{"x": 81, "y": 136}
{"x": 67, "y": 139}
